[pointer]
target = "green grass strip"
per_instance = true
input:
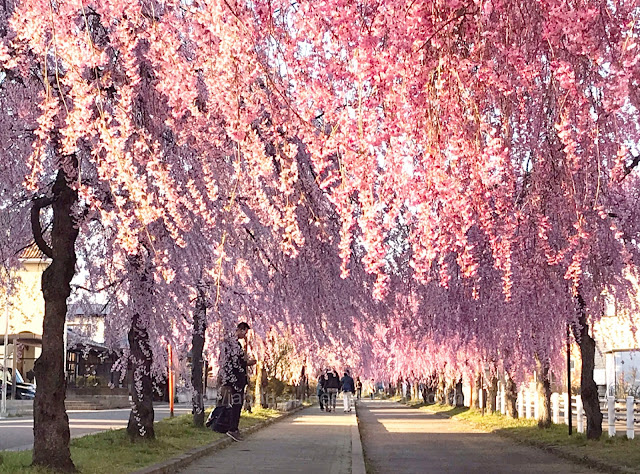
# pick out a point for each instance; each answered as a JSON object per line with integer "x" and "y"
{"x": 111, "y": 451}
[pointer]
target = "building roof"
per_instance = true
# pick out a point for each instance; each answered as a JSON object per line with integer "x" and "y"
{"x": 33, "y": 252}
{"x": 87, "y": 309}
{"x": 24, "y": 337}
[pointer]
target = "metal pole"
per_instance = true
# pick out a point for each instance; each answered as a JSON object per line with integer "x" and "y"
{"x": 569, "y": 408}
{"x": 170, "y": 381}
{"x": 3, "y": 405}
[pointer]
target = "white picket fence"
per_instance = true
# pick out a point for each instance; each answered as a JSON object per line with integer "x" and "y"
{"x": 614, "y": 410}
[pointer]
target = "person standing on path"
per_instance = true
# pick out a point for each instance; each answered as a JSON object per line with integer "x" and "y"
{"x": 358, "y": 388}
{"x": 320, "y": 390}
{"x": 233, "y": 375}
{"x": 348, "y": 388}
{"x": 331, "y": 387}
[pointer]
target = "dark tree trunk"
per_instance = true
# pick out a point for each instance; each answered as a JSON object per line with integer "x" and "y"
{"x": 588, "y": 388}
{"x": 441, "y": 390}
{"x": 543, "y": 387}
{"x": 511, "y": 397}
{"x": 140, "y": 424}
{"x": 199, "y": 327}
{"x": 451, "y": 393}
{"x": 492, "y": 394}
{"x": 475, "y": 390}
{"x": 459, "y": 395}
{"x": 50, "y": 422}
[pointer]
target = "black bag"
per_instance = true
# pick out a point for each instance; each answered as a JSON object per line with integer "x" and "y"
{"x": 219, "y": 419}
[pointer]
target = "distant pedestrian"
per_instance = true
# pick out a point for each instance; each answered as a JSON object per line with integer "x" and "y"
{"x": 358, "y": 388}
{"x": 320, "y": 389}
{"x": 348, "y": 389}
{"x": 331, "y": 387}
{"x": 233, "y": 375}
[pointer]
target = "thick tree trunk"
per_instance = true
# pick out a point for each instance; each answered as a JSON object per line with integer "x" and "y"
{"x": 450, "y": 393}
{"x": 440, "y": 390}
{"x": 511, "y": 397}
{"x": 262, "y": 382}
{"x": 543, "y": 387}
{"x": 588, "y": 388}
{"x": 459, "y": 396}
{"x": 477, "y": 386}
{"x": 140, "y": 424}
{"x": 50, "y": 421}
{"x": 199, "y": 327}
{"x": 492, "y": 394}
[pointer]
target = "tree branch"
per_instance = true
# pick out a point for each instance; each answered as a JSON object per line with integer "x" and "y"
{"x": 629, "y": 168}
{"x": 36, "y": 227}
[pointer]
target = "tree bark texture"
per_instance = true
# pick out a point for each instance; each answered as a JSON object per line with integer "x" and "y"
{"x": 441, "y": 390}
{"x": 140, "y": 424}
{"x": 588, "y": 387}
{"x": 492, "y": 394}
{"x": 511, "y": 397}
{"x": 477, "y": 386}
{"x": 543, "y": 387}
{"x": 450, "y": 393}
{"x": 459, "y": 395}
{"x": 199, "y": 328}
{"x": 50, "y": 422}
{"x": 262, "y": 385}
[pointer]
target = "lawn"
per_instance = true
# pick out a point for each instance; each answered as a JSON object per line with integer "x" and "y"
{"x": 111, "y": 451}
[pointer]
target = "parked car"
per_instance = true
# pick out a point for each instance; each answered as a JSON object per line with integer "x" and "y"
{"x": 25, "y": 390}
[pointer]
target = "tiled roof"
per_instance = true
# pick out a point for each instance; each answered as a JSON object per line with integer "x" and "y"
{"x": 32, "y": 252}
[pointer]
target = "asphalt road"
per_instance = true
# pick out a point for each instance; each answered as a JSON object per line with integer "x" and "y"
{"x": 17, "y": 433}
{"x": 398, "y": 439}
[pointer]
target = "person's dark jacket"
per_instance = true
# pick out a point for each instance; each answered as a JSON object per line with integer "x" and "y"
{"x": 347, "y": 385}
{"x": 233, "y": 365}
{"x": 332, "y": 381}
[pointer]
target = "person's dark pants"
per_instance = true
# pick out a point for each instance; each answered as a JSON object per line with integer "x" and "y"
{"x": 321, "y": 399}
{"x": 332, "y": 393}
{"x": 236, "y": 400}
{"x": 359, "y": 394}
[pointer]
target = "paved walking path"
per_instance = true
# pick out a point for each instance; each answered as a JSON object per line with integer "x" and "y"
{"x": 399, "y": 439}
{"x": 309, "y": 442}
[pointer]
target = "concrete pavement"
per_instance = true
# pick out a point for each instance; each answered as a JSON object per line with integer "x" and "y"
{"x": 311, "y": 441}
{"x": 399, "y": 439}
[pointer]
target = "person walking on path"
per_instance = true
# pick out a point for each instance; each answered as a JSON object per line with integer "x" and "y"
{"x": 233, "y": 376}
{"x": 358, "y": 388}
{"x": 320, "y": 390}
{"x": 348, "y": 388}
{"x": 331, "y": 387}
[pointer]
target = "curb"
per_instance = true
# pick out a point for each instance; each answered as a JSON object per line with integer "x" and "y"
{"x": 558, "y": 451}
{"x": 174, "y": 464}
{"x": 357, "y": 455}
